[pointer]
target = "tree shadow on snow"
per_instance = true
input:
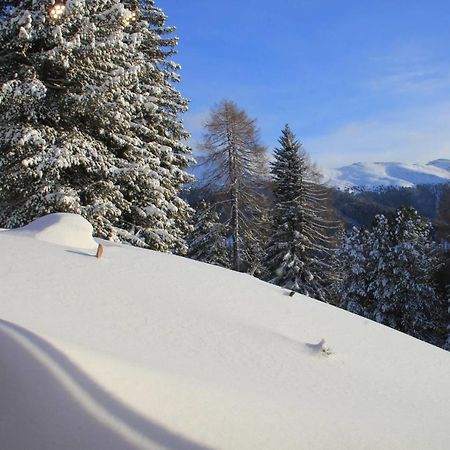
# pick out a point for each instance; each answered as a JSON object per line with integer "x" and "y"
{"x": 47, "y": 403}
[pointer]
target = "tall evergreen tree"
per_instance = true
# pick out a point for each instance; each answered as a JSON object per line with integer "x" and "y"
{"x": 413, "y": 262}
{"x": 235, "y": 163}
{"x": 90, "y": 119}
{"x": 353, "y": 285}
{"x": 207, "y": 239}
{"x": 379, "y": 266}
{"x": 298, "y": 249}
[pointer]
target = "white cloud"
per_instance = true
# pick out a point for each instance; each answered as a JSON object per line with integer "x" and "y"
{"x": 412, "y": 81}
{"x": 409, "y": 68}
{"x": 417, "y": 135}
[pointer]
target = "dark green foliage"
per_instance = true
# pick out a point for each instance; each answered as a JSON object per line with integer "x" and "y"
{"x": 359, "y": 208}
{"x": 388, "y": 275}
{"x": 207, "y": 239}
{"x": 298, "y": 248}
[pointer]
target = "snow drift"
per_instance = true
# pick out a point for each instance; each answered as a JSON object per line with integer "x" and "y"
{"x": 141, "y": 350}
{"x": 63, "y": 229}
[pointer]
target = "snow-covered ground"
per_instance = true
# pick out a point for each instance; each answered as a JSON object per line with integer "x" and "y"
{"x": 142, "y": 350}
{"x": 375, "y": 174}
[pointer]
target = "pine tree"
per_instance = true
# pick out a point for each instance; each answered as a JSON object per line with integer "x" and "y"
{"x": 298, "y": 247}
{"x": 235, "y": 165}
{"x": 353, "y": 286}
{"x": 379, "y": 266}
{"x": 207, "y": 240}
{"x": 404, "y": 292}
{"x": 90, "y": 119}
{"x": 387, "y": 274}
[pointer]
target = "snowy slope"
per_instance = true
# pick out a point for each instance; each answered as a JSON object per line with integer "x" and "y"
{"x": 389, "y": 174}
{"x": 141, "y": 350}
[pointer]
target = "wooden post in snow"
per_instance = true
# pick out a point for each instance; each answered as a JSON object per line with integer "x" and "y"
{"x": 100, "y": 249}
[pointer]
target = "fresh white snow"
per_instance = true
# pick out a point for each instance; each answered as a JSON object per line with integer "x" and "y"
{"x": 144, "y": 350}
{"x": 375, "y": 174}
{"x": 61, "y": 228}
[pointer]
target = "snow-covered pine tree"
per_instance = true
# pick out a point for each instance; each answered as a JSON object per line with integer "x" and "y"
{"x": 378, "y": 269}
{"x": 235, "y": 164}
{"x": 298, "y": 252}
{"x": 414, "y": 261}
{"x": 400, "y": 265}
{"x": 353, "y": 286}
{"x": 90, "y": 119}
{"x": 207, "y": 240}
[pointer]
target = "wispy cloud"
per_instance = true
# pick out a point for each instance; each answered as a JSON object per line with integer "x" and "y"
{"x": 412, "y": 81}
{"x": 417, "y": 135}
{"x": 409, "y": 68}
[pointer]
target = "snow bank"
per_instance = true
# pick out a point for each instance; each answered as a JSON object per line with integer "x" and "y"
{"x": 70, "y": 230}
{"x": 142, "y": 350}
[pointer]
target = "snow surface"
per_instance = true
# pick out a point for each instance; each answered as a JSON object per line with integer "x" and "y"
{"x": 144, "y": 350}
{"x": 375, "y": 174}
{"x": 63, "y": 229}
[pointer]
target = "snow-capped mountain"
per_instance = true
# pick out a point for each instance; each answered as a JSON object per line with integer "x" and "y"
{"x": 150, "y": 351}
{"x": 370, "y": 175}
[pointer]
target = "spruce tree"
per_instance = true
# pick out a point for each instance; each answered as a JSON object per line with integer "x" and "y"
{"x": 207, "y": 239}
{"x": 298, "y": 248}
{"x": 379, "y": 266}
{"x": 90, "y": 119}
{"x": 387, "y": 274}
{"x": 353, "y": 286}
{"x": 404, "y": 292}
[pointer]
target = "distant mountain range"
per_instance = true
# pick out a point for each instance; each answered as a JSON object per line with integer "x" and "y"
{"x": 370, "y": 175}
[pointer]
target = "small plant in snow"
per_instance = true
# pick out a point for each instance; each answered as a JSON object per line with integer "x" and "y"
{"x": 320, "y": 348}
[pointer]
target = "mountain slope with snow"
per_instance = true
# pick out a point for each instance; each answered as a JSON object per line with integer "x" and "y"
{"x": 142, "y": 350}
{"x": 375, "y": 174}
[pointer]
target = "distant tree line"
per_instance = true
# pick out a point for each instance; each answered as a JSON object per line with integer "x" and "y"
{"x": 359, "y": 207}
{"x": 390, "y": 274}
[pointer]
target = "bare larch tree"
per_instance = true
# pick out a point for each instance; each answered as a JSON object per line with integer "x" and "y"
{"x": 235, "y": 170}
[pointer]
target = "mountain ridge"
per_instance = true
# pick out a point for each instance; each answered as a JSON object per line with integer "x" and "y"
{"x": 382, "y": 174}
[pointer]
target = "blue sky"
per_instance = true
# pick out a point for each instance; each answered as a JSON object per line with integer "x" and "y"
{"x": 357, "y": 80}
